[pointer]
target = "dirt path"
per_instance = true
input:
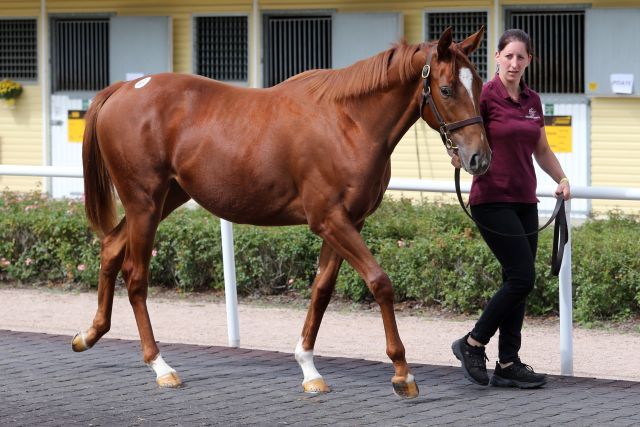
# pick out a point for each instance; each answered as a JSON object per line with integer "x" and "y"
{"x": 427, "y": 339}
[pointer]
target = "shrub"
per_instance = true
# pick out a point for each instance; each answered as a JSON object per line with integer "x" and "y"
{"x": 433, "y": 255}
{"x": 606, "y": 269}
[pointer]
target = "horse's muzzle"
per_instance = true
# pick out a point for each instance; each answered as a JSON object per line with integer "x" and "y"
{"x": 479, "y": 163}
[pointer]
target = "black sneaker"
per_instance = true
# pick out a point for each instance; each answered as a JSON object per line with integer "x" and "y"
{"x": 517, "y": 375}
{"x": 473, "y": 360}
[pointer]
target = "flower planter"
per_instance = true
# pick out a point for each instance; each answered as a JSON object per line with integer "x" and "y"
{"x": 10, "y": 103}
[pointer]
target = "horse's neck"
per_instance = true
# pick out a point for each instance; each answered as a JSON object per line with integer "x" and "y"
{"x": 387, "y": 116}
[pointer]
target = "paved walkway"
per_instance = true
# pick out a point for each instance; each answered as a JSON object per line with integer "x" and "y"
{"x": 44, "y": 383}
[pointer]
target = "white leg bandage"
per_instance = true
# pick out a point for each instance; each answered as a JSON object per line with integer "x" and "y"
{"x": 160, "y": 367}
{"x": 305, "y": 360}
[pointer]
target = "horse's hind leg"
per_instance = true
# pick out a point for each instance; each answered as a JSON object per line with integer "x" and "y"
{"x": 323, "y": 285}
{"x": 144, "y": 212}
{"x": 111, "y": 257}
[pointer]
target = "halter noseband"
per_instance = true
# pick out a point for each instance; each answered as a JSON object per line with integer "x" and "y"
{"x": 444, "y": 128}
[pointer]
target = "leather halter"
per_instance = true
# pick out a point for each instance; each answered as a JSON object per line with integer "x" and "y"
{"x": 443, "y": 127}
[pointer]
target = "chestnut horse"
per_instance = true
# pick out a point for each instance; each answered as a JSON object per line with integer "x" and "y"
{"x": 313, "y": 150}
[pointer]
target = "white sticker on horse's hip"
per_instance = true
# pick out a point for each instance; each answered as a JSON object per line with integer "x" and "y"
{"x": 141, "y": 83}
{"x": 466, "y": 77}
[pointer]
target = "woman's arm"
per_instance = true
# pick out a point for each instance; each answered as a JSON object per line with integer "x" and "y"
{"x": 550, "y": 164}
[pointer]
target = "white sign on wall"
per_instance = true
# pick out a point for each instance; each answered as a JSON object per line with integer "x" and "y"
{"x": 622, "y": 83}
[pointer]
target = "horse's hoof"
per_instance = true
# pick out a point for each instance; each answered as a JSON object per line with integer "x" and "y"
{"x": 405, "y": 388}
{"x": 79, "y": 342}
{"x": 316, "y": 386}
{"x": 170, "y": 380}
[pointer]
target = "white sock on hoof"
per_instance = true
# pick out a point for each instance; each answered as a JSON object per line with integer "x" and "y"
{"x": 83, "y": 339}
{"x": 305, "y": 360}
{"x": 82, "y": 336}
{"x": 160, "y": 367}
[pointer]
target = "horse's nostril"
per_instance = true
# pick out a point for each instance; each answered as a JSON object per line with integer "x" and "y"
{"x": 473, "y": 163}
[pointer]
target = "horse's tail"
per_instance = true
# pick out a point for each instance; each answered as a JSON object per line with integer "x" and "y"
{"x": 99, "y": 203}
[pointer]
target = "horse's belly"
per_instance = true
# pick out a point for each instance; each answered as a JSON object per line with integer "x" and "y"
{"x": 251, "y": 207}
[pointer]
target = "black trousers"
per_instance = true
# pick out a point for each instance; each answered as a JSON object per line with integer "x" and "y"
{"x": 505, "y": 310}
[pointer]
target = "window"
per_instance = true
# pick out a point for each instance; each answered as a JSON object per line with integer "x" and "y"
{"x": 222, "y": 47}
{"x": 463, "y": 24}
{"x": 79, "y": 54}
{"x": 18, "y": 49}
{"x": 558, "y": 48}
{"x": 294, "y": 44}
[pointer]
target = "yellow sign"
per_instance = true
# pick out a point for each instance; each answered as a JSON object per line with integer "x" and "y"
{"x": 559, "y": 133}
{"x": 75, "y": 121}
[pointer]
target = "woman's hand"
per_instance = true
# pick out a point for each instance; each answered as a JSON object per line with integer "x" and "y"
{"x": 455, "y": 160}
{"x": 564, "y": 189}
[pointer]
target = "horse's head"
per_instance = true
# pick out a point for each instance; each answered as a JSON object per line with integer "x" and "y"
{"x": 451, "y": 100}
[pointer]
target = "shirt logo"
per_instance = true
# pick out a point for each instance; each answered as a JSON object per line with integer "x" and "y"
{"x": 533, "y": 114}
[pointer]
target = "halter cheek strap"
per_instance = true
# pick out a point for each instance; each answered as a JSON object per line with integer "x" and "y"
{"x": 444, "y": 128}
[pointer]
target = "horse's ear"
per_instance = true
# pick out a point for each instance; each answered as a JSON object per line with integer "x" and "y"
{"x": 472, "y": 42}
{"x": 443, "y": 44}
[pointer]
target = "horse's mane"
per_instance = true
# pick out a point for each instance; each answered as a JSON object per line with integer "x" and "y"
{"x": 364, "y": 77}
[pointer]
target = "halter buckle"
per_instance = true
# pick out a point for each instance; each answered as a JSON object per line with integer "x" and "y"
{"x": 446, "y": 139}
{"x": 425, "y": 71}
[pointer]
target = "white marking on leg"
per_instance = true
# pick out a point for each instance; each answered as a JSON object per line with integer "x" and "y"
{"x": 160, "y": 367}
{"x": 83, "y": 339}
{"x": 466, "y": 77}
{"x": 305, "y": 360}
{"x": 142, "y": 83}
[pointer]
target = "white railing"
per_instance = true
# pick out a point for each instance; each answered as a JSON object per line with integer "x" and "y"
{"x": 565, "y": 298}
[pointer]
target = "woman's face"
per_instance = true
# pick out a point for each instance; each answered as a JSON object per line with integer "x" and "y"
{"x": 513, "y": 60}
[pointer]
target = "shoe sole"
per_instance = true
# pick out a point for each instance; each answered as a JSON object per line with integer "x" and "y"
{"x": 457, "y": 351}
{"x": 497, "y": 381}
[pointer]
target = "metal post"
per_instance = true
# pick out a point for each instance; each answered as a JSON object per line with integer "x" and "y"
{"x": 44, "y": 91}
{"x": 255, "y": 48}
{"x": 566, "y": 308}
{"x": 230, "y": 291}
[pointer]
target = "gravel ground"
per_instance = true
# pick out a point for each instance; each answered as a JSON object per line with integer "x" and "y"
{"x": 427, "y": 336}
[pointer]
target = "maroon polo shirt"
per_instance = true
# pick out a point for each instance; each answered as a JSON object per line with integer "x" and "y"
{"x": 513, "y": 130}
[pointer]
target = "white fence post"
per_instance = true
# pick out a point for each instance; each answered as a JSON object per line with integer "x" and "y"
{"x": 230, "y": 289}
{"x": 566, "y": 304}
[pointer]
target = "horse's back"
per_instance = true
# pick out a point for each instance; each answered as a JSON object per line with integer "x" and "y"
{"x": 225, "y": 145}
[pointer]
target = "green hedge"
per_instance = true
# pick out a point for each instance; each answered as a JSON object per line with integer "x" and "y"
{"x": 432, "y": 253}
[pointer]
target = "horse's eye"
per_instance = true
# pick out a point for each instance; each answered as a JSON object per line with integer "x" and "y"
{"x": 446, "y": 91}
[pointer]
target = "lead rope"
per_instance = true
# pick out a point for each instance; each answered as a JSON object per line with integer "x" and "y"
{"x": 560, "y": 231}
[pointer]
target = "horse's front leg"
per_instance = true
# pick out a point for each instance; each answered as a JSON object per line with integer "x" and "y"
{"x": 323, "y": 285}
{"x": 338, "y": 230}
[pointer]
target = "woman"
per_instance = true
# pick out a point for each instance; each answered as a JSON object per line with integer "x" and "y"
{"x": 504, "y": 199}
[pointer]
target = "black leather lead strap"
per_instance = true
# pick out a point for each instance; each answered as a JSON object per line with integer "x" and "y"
{"x": 560, "y": 232}
{"x": 560, "y": 238}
